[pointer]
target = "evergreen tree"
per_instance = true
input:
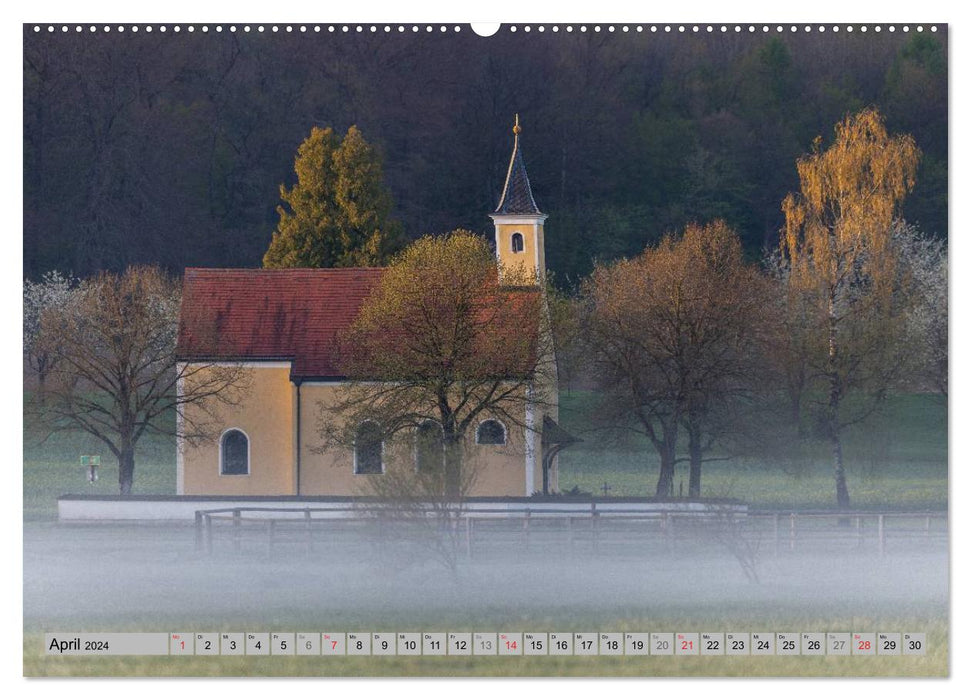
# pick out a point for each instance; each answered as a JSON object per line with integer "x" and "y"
{"x": 339, "y": 212}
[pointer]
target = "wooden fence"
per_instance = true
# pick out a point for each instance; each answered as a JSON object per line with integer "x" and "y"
{"x": 486, "y": 533}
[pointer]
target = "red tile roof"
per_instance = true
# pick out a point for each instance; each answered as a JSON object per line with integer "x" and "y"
{"x": 293, "y": 314}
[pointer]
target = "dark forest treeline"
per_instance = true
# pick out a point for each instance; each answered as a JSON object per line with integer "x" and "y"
{"x": 170, "y": 148}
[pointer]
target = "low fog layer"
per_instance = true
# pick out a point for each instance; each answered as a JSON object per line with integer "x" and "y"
{"x": 130, "y": 575}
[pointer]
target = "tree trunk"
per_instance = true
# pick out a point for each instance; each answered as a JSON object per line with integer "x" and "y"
{"x": 695, "y": 453}
{"x": 42, "y": 384}
{"x": 795, "y": 412}
{"x": 126, "y": 469}
{"x": 453, "y": 468}
{"x": 666, "y": 477}
{"x": 842, "y": 494}
{"x": 832, "y": 413}
{"x": 667, "y": 451}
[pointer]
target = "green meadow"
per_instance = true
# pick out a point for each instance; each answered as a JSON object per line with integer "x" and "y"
{"x": 52, "y": 468}
{"x": 896, "y": 461}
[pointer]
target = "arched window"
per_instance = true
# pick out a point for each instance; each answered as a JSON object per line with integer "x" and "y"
{"x": 368, "y": 448}
{"x": 234, "y": 452}
{"x": 429, "y": 449}
{"x": 491, "y": 432}
{"x": 517, "y": 243}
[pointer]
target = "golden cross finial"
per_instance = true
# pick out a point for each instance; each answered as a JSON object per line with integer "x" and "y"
{"x": 516, "y": 128}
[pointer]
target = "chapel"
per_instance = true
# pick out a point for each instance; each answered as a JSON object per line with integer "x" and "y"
{"x": 281, "y": 326}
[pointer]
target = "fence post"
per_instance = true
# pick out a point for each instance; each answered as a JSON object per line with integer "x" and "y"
{"x": 237, "y": 524}
{"x": 882, "y": 535}
{"x": 271, "y": 530}
{"x": 468, "y": 536}
{"x": 594, "y": 528}
{"x": 667, "y": 527}
{"x": 859, "y": 531}
{"x": 208, "y": 521}
{"x": 310, "y": 533}
{"x": 775, "y": 531}
{"x": 526, "y": 531}
{"x": 792, "y": 532}
{"x": 198, "y": 530}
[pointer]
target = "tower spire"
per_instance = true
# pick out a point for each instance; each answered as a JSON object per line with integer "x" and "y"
{"x": 517, "y": 195}
{"x": 519, "y": 223}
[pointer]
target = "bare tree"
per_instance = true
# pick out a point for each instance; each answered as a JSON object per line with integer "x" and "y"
{"x": 115, "y": 374}
{"x": 790, "y": 334}
{"x": 672, "y": 334}
{"x": 725, "y": 316}
{"x": 736, "y": 532}
{"x": 414, "y": 510}
{"x": 52, "y": 292}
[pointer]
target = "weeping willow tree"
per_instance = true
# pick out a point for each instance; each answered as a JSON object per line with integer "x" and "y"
{"x": 842, "y": 265}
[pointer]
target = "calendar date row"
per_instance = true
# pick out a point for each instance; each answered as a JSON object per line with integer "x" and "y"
{"x": 490, "y": 644}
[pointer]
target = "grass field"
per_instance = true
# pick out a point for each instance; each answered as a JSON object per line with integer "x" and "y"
{"x": 898, "y": 461}
{"x": 52, "y": 468}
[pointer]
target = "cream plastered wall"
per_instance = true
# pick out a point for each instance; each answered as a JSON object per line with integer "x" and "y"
{"x": 500, "y": 470}
{"x": 519, "y": 265}
{"x": 266, "y": 417}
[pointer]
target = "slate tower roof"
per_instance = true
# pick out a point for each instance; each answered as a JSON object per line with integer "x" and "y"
{"x": 517, "y": 197}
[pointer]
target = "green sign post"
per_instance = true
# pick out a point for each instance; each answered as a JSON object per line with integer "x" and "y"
{"x": 92, "y": 462}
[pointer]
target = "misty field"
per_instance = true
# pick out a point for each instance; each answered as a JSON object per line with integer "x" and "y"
{"x": 148, "y": 577}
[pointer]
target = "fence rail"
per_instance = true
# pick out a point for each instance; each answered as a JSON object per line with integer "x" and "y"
{"x": 599, "y": 531}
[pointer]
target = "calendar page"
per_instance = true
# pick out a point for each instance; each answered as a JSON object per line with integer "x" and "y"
{"x": 448, "y": 350}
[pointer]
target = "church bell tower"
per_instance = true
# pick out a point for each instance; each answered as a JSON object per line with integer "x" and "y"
{"x": 519, "y": 224}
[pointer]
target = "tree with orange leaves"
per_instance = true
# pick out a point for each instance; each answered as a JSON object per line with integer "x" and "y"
{"x": 673, "y": 335}
{"x": 842, "y": 265}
